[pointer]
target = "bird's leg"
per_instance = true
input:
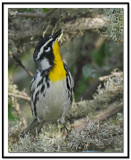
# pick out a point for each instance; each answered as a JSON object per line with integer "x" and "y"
{"x": 40, "y": 125}
{"x": 63, "y": 121}
{"x": 33, "y": 129}
{"x": 67, "y": 130}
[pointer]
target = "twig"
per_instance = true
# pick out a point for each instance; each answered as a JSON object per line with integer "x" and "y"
{"x": 20, "y": 63}
{"x": 29, "y": 15}
{"x": 100, "y": 117}
{"x": 19, "y": 96}
{"x": 115, "y": 74}
{"x": 107, "y": 113}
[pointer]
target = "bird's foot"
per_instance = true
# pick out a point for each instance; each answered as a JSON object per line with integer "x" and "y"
{"x": 67, "y": 130}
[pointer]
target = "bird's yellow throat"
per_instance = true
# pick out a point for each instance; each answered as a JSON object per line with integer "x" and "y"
{"x": 58, "y": 72}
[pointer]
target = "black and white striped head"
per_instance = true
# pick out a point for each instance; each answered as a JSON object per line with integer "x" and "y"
{"x": 43, "y": 53}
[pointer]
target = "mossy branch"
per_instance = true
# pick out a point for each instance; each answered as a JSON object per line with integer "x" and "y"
{"x": 103, "y": 115}
{"x": 112, "y": 91}
{"x": 72, "y": 26}
{"x": 27, "y": 98}
{"x": 85, "y": 24}
{"x": 93, "y": 127}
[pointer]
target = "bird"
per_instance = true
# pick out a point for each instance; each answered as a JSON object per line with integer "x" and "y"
{"x": 51, "y": 87}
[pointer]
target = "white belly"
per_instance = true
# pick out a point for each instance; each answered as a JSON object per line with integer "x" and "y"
{"x": 55, "y": 103}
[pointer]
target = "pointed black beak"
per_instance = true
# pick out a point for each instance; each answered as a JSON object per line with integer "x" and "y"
{"x": 57, "y": 34}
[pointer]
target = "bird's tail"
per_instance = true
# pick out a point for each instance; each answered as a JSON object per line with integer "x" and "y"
{"x": 33, "y": 129}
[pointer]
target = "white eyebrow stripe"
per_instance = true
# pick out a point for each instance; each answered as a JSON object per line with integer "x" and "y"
{"x": 41, "y": 50}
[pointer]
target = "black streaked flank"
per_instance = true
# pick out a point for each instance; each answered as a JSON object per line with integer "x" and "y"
{"x": 36, "y": 98}
{"x": 71, "y": 96}
{"x": 47, "y": 81}
{"x": 69, "y": 76}
{"x": 48, "y": 85}
{"x": 46, "y": 78}
{"x": 34, "y": 77}
{"x": 42, "y": 74}
{"x": 42, "y": 88}
{"x": 40, "y": 82}
{"x": 32, "y": 92}
{"x": 30, "y": 103}
{"x": 67, "y": 82}
{"x": 36, "y": 95}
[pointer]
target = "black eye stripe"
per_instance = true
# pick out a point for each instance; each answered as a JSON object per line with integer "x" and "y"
{"x": 46, "y": 47}
{"x": 49, "y": 44}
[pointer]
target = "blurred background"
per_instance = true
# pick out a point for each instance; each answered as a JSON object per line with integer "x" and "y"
{"x": 91, "y": 45}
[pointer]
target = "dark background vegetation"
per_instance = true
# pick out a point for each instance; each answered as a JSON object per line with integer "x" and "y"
{"x": 91, "y": 45}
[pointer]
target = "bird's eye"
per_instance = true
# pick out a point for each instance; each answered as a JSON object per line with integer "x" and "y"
{"x": 46, "y": 49}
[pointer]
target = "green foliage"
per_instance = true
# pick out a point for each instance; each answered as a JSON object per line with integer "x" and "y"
{"x": 46, "y": 9}
{"x": 11, "y": 69}
{"x": 11, "y": 116}
{"x": 81, "y": 86}
{"x": 99, "y": 55}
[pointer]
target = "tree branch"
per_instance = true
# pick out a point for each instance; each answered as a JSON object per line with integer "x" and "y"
{"x": 19, "y": 96}
{"x": 17, "y": 36}
{"x": 21, "y": 64}
{"x": 85, "y": 24}
{"x": 103, "y": 78}
{"x": 108, "y": 112}
{"x": 29, "y": 15}
{"x": 103, "y": 115}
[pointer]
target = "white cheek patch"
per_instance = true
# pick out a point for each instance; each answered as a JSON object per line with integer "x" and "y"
{"x": 45, "y": 64}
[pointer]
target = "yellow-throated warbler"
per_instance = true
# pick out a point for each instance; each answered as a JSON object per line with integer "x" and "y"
{"x": 51, "y": 86}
